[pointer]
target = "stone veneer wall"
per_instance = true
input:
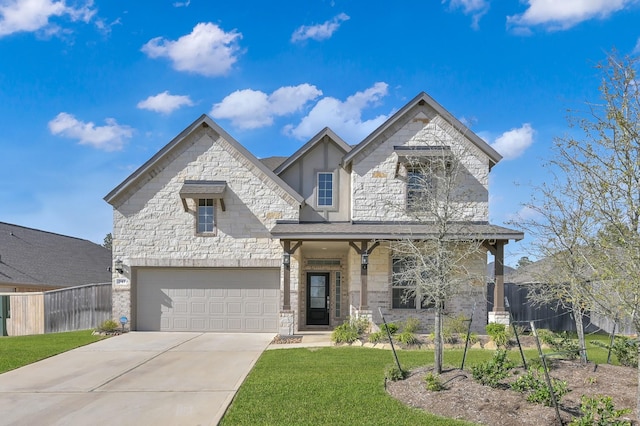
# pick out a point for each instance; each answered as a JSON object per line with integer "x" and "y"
{"x": 151, "y": 228}
{"x": 379, "y": 195}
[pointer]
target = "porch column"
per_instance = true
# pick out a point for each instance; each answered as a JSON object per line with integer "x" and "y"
{"x": 364, "y": 278}
{"x": 498, "y": 314}
{"x": 286, "y": 304}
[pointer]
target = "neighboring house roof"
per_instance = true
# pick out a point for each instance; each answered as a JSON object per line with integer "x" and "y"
{"x": 368, "y": 230}
{"x": 156, "y": 163}
{"x": 272, "y": 163}
{"x": 309, "y": 145}
{"x": 34, "y": 258}
{"x": 424, "y": 98}
{"x": 491, "y": 271}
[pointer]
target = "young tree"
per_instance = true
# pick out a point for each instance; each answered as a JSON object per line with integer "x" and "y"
{"x": 561, "y": 222}
{"x": 606, "y": 157}
{"x": 435, "y": 269}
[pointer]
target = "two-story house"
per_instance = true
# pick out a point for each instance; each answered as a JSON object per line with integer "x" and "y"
{"x": 206, "y": 237}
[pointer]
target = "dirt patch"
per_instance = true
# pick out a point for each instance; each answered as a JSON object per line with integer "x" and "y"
{"x": 465, "y": 399}
{"x": 284, "y": 340}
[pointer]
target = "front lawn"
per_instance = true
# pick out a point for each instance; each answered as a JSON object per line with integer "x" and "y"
{"x": 16, "y": 351}
{"x": 340, "y": 385}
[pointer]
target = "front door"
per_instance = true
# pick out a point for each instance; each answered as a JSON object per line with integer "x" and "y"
{"x": 317, "y": 298}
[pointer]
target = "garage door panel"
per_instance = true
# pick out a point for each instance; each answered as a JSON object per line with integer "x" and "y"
{"x": 182, "y": 299}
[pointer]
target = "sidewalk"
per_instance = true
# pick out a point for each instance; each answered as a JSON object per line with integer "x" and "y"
{"x": 310, "y": 339}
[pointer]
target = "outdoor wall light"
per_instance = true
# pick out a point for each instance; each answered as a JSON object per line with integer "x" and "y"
{"x": 118, "y": 265}
{"x": 365, "y": 260}
{"x": 286, "y": 259}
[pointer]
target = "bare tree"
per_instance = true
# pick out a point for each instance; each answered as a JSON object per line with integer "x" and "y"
{"x": 445, "y": 197}
{"x": 560, "y": 220}
{"x": 604, "y": 152}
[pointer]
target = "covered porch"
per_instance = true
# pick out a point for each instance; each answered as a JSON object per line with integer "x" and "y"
{"x": 333, "y": 271}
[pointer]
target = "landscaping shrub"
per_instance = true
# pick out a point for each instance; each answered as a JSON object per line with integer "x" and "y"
{"x": 345, "y": 333}
{"x": 491, "y": 372}
{"x": 561, "y": 342}
{"x": 624, "y": 348}
{"x": 536, "y": 387}
{"x": 599, "y": 411}
{"x": 411, "y": 325}
{"x": 382, "y": 336}
{"x": 407, "y": 338}
{"x": 433, "y": 382}
{"x": 498, "y": 333}
{"x": 109, "y": 325}
{"x": 393, "y": 373}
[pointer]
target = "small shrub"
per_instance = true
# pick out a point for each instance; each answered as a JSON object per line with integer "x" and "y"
{"x": 378, "y": 336}
{"x": 561, "y": 342}
{"x": 109, "y": 325}
{"x": 600, "y": 411}
{"x": 491, "y": 372}
{"x": 392, "y": 327}
{"x": 411, "y": 325}
{"x": 393, "y": 373}
{"x": 624, "y": 348}
{"x": 456, "y": 325}
{"x": 407, "y": 338}
{"x": 433, "y": 383}
{"x": 498, "y": 333}
{"x": 537, "y": 389}
{"x": 345, "y": 333}
{"x": 361, "y": 324}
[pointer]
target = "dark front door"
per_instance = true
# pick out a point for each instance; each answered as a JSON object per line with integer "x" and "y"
{"x": 317, "y": 298}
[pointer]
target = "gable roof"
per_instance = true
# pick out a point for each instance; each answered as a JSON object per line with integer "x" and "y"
{"x": 30, "y": 257}
{"x": 422, "y": 99}
{"x": 309, "y": 145}
{"x": 147, "y": 170}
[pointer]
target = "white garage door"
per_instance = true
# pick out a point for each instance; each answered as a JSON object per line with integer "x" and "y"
{"x": 226, "y": 300}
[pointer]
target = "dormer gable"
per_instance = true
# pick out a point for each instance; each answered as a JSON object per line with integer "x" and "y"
{"x": 314, "y": 171}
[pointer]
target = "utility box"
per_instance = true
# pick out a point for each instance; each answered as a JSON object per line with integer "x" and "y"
{"x": 5, "y": 312}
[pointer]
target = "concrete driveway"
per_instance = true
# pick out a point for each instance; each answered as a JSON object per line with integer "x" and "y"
{"x": 133, "y": 379}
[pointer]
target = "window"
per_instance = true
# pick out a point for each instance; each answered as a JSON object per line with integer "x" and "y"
{"x": 206, "y": 215}
{"x": 325, "y": 189}
{"x": 419, "y": 186}
{"x": 403, "y": 289}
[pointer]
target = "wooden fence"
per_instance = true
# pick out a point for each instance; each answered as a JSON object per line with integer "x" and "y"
{"x": 551, "y": 317}
{"x": 68, "y": 309}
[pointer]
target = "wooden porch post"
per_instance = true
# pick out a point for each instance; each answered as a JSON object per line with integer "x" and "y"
{"x": 286, "y": 304}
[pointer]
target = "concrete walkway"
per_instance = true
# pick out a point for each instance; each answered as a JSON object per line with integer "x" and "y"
{"x": 134, "y": 379}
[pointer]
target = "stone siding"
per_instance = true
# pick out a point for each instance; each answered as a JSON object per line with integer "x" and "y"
{"x": 380, "y": 195}
{"x": 151, "y": 227}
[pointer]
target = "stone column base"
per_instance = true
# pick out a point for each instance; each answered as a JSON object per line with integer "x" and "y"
{"x": 286, "y": 326}
{"x": 499, "y": 317}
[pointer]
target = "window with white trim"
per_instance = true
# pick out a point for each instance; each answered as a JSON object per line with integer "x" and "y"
{"x": 325, "y": 189}
{"x": 420, "y": 185}
{"x": 206, "y": 216}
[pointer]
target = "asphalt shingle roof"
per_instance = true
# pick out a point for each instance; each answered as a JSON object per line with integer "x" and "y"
{"x": 35, "y": 257}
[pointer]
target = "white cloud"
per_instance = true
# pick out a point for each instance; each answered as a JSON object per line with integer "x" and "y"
{"x": 636, "y": 50}
{"x": 320, "y": 31}
{"x": 33, "y": 15}
{"x": 182, "y": 3}
{"x": 561, "y": 15}
{"x": 207, "y": 50}
{"x": 513, "y": 143}
{"x": 345, "y": 118}
{"x": 110, "y": 137}
{"x": 165, "y": 103}
{"x": 475, "y": 8}
{"x": 250, "y": 109}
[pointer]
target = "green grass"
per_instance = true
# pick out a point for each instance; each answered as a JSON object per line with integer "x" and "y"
{"x": 343, "y": 385}
{"x": 16, "y": 351}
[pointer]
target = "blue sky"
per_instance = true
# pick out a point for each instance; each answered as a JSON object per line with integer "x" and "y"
{"x": 89, "y": 90}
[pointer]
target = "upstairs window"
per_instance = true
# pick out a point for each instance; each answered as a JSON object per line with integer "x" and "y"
{"x": 420, "y": 186}
{"x": 206, "y": 215}
{"x": 325, "y": 189}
